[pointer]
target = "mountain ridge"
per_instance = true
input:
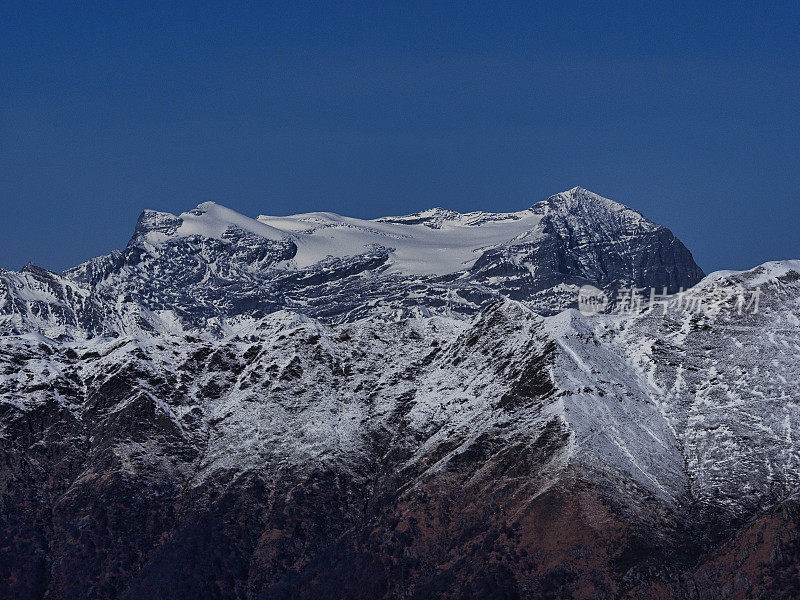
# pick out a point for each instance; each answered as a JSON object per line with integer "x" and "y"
{"x": 196, "y": 416}
{"x": 210, "y": 265}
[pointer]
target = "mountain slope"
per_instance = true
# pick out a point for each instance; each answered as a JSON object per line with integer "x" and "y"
{"x": 291, "y": 442}
{"x": 168, "y": 428}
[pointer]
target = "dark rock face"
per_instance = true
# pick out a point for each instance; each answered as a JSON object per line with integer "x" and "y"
{"x": 588, "y": 240}
{"x": 613, "y": 245}
{"x": 169, "y": 430}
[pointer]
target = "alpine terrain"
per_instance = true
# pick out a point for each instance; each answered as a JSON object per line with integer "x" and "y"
{"x": 410, "y": 407}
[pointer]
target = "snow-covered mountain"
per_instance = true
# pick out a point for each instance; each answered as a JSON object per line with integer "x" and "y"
{"x": 323, "y": 407}
{"x": 211, "y": 269}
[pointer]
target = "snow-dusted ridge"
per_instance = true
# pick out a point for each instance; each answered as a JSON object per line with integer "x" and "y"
{"x": 424, "y": 244}
{"x": 209, "y": 268}
{"x": 431, "y": 242}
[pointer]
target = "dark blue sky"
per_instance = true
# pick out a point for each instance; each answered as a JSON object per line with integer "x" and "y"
{"x": 689, "y": 114}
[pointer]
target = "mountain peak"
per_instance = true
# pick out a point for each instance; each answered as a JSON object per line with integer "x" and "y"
{"x": 581, "y": 196}
{"x": 206, "y": 205}
{"x": 36, "y": 270}
{"x": 581, "y": 206}
{"x": 208, "y": 220}
{"x": 579, "y": 190}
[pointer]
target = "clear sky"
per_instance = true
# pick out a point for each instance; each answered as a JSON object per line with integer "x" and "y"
{"x": 689, "y": 113}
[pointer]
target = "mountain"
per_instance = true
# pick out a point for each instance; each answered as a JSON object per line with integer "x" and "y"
{"x": 308, "y": 407}
{"x": 212, "y": 269}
